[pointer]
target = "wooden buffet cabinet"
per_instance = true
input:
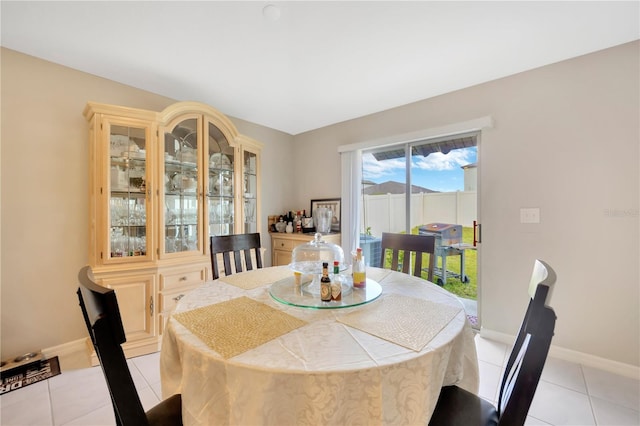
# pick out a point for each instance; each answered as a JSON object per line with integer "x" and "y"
{"x": 160, "y": 183}
{"x": 282, "y": 244}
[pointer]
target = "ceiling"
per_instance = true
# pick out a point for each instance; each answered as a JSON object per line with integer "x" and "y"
{"x": 297, "y": 65}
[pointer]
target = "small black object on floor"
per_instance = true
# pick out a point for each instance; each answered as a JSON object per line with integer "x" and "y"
{"x": 28, "y": 374}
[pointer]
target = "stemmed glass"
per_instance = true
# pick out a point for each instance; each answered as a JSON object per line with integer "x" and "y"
{"x": 119, "y": 211}
{"x": 249, "y": 210}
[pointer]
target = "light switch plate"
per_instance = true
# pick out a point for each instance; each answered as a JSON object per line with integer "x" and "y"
{"x": 530, "y": 215}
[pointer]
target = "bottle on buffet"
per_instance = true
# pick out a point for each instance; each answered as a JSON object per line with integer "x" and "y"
{"x": 299, "y": 221}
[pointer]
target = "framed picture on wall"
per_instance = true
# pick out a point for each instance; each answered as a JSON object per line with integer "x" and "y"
{"x": 332, "y": 204}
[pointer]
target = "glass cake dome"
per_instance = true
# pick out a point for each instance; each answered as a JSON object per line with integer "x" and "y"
{"x": 308, "y": 258}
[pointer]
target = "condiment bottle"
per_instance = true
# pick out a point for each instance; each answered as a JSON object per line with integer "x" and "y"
{"x": 359, "y": 270}
{"x": 325, "y": 283}
{"x": 336, "y": 283}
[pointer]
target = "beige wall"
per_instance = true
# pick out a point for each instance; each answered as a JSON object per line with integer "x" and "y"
{"x": 565, "y": 139}
{"x": 561, "y": 133}
{"x": 44, "y": 193}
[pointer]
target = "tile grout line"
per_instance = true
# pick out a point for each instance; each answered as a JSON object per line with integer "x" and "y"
{"x": 586, "y": 386}
{"x": 50, "y": 401}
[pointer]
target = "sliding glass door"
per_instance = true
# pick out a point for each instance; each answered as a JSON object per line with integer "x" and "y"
{"x": 419, "y": 187}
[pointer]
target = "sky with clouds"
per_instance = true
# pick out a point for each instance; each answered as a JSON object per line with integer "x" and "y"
{"x": 437, "y": 171}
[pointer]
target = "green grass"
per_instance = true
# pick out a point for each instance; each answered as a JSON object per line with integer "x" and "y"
{"x": 468, "y": 290}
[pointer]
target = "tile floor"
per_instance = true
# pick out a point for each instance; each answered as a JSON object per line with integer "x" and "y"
{"x": 568, "y": 394}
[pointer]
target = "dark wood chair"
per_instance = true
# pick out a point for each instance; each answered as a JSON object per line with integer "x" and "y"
{"x": 409, "y": 243}
{"x": 227, "y": 244}
{"x": 102, "y": 317}
{"x": 456, "y": 406}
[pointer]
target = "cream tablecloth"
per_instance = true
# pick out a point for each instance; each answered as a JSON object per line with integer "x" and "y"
{"x": 324, "y": 372}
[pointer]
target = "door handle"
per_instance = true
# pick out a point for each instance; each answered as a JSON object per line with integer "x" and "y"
{"x": 477, "y": 233}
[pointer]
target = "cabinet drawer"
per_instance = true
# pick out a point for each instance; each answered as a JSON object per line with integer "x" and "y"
{"x": 168, "y": 301}
{"x": 282, "y": 244}
{"x": 281, "y": 257}
{"x": 182, "y": 279}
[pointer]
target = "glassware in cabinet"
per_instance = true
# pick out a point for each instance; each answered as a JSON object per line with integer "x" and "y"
{"x": 221, "y": 216}
{"x": 181, "y": 174}
{"x": 250, "y": 191}
{"x": 220, "y": 185}
{"x": 181, "y": 223}
{"x": 128, "y": 204}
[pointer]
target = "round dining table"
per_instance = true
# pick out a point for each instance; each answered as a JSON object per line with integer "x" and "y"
{"x": 240, "y": 356}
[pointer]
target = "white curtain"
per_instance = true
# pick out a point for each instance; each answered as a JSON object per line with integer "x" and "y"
{"x": 351, "y": 202}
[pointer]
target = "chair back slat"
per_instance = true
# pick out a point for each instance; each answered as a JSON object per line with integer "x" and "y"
{"x": 241, "y": 247}
{"x": 409, "y": 243}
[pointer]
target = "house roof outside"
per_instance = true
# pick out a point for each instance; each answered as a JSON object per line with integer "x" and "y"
{"x": 446, "y": 145}
{"x": 392, "y": 187}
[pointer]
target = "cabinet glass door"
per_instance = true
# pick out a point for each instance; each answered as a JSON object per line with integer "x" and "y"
{"x": 220, "y": 191}
{"x": 128, "y": 206}
{"x": 181, "y": 225}
{"x": 250, "y": 192}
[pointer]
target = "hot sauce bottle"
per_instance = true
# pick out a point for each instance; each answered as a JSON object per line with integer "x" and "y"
{"x": 336, "y": 283}
{"x": 325, "y": 283}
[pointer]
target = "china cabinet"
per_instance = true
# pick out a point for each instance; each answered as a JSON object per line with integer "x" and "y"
{"x": 161, "y": 183}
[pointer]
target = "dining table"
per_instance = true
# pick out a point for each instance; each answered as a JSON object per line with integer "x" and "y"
{"x": 261, "y": 348}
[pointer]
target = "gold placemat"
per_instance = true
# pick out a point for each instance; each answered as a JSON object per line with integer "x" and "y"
{"x": 402, "y": 320}
{"x": 237, "y": 325}
{"x": 257, "y": 277}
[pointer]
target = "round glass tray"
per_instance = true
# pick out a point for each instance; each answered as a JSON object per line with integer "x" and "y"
{"x": 306, "y": 295}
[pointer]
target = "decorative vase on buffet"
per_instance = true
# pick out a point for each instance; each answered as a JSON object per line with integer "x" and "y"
{"x": 322, "y": 217}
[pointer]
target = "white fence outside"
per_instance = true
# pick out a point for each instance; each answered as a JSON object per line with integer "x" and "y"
{"x": 386, "y": 213}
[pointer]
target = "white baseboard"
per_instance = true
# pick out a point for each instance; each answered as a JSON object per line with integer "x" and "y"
{"x": 83, "y": 347}
{"x": 65, "y": 349}
{"x": 582, "y": 358}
